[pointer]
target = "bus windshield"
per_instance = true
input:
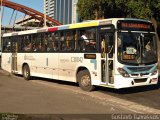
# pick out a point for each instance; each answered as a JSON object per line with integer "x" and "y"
{"x": 137, "y": 48}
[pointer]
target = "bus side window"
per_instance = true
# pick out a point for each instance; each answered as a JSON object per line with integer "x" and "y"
{"x": 62, "y": 41}
{"x": 52, "y": 42}
{"x": 28, "y": 47}
{"x": 70, "y": 41}
{"x": 67, "y": 40}
{"x": 92, "y": 41}
{"x": 80, "y": 44}
{"x": 57, "y": 41}
{"x": 87, "y": 41}
{"x": 20, "y": 47}
{"x": 27, "y": 43}
{"x": 39, "y": 45}
{"x": 7, "y": 44}
{"x": 45, "y": 40}
{"x": 49, "y": 42}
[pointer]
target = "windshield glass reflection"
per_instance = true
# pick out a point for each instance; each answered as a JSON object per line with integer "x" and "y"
{"x": 137, "y": 48}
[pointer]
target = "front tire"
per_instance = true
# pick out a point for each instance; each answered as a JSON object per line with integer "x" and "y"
{"x": 26, "y": 72}
{"x": 84, "y": 80}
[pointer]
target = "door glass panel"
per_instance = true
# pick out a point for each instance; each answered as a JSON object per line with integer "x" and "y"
{"x": 107, "y": 51}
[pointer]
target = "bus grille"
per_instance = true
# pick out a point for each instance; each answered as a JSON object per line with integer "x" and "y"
{"x": 140, "y": 80}
{"x": 139, "y": 69}
{"x": 141, "y": 74}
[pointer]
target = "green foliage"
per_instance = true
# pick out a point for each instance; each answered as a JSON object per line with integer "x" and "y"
{"x": 91, "y": 9}
{"x": 94, "y": 9}
{"x": 139, "y": 9}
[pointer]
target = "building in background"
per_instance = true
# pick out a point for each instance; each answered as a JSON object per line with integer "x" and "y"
{"x": 64, "y": 11}
{"x": 49, "y": 5}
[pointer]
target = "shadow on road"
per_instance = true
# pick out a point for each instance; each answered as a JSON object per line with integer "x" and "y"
{"x": 144, "y": 95}
{"x": 104, "y": 89}
{"x": 131, "y": 90}
{"x": 56, "y": 81}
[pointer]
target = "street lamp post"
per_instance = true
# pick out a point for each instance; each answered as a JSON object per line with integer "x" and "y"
{"x": 1, "y": 26}
{"x": 45, "y": 13}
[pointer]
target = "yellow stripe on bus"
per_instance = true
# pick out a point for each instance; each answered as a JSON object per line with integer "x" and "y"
{"x": 79, "y": 25}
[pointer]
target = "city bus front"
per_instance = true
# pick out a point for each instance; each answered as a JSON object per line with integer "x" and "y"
{"x": 136, "y": 61}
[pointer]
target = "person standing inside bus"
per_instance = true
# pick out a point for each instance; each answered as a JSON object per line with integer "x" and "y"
{"x": 89, "y": 44}
{"x": 85, "y": 40}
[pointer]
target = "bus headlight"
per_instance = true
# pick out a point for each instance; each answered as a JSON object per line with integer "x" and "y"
{"x": 154, "y": 72}
{"x": 123, "y": 72}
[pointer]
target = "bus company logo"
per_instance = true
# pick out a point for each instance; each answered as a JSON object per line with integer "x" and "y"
{"x": 64, "y": 60}
{"x": 77, "y": 59}
{"x": 29, "y": 57}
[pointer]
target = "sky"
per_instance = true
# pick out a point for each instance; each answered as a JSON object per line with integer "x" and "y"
{"x": 35, "y": 4}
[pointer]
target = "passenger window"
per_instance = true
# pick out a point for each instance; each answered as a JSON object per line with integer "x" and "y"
{"x": 67, "y": 41}
{"x": 87, "y": 40}
{"x": 7, "y": 44}
{"x": 70, "y": 41}
{"x": 52, "y": 42}
{"x": 26, "y": 44}
{"x": 38, "y": 42}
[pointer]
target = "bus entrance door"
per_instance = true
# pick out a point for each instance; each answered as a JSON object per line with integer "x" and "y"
{"x": 107, "y": 49}
{"x": 14, "y": 56}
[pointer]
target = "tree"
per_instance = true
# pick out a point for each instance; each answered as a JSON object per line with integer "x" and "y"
{"x": 140, "y": 9}
{"x": 93, "y": 9}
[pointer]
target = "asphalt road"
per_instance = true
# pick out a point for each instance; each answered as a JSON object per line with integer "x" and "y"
{"x": 145, "y": 95}
{"x": 37, "y": 97}
{"x": 42, "y": 96}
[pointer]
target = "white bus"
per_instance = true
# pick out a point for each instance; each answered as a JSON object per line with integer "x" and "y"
{"x": 116, "y": 53}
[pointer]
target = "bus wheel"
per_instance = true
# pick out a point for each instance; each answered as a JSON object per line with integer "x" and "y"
{"x": 84, "y": 80}
{"x": 26, "y": 72}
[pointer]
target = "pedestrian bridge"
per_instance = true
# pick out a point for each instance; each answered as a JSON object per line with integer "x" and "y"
{"x": 27, "y": 12}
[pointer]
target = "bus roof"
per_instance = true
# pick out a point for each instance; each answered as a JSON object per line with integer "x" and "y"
{"x": 84, "y": 24}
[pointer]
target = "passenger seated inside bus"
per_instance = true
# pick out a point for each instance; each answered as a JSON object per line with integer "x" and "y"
{"x": 65, "y": 47}
{"x": 40, "y": 47}
{"x": 49, "y": 47}
{"x": 45, "y": 41}
{"x": 69, "y": 42}
{"x": 34, "y": 47}
{"x": 7, "y": 48}
{"x": 28, "y": 47}
{"x": 84, "y": 37}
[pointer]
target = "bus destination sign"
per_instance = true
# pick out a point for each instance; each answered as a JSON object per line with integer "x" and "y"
{"x": 135, "y": 25}
{"x": 131, "y": 25}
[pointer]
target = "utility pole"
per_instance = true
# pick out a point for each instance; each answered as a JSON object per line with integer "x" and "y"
{"x": 1, "y": 27}
{"x": 45, "y": 25}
